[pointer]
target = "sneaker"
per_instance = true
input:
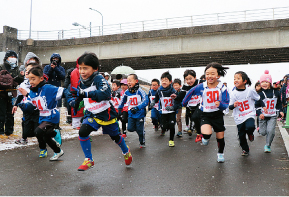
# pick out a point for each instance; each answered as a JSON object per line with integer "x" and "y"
{"x": 186, "y": 129}
{"x": 22, "y": 141}
{"x": 220, "y": 158}
{"x": 179, "y": 134}
{"x": 251, "y": 137}
{"x": 142, "y": 145}
{"x": 56, "y": 155}
{"x": 124, "y": 135}
{"x": 267, "y": 149}
{"x": 163, "y": 133}
{"x": 57, "y": 138}
{"x": 171, "y": 143}
{"x": 245, "y": 153}
{"x": 43, "y": 153}
{"x": 127, "y": 157}
{"x": 86, "y": 165}
{"x": 190, "y": 132}
{"x": 205, "y": 142}
{"x": 198, "y": 138}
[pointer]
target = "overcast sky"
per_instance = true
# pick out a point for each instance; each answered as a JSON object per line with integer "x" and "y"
{"x": 60, "y": 14}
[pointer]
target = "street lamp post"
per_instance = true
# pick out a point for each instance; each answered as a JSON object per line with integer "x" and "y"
{"x": 30, "y": 20}
{"x": 77, "y": 24}
{"x": 101, "y": 19}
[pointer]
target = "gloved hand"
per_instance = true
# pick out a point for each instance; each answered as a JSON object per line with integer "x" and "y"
{"x": 169, "y": 108}
{"x": 134, "y": 110}
{"x": 152, "y": 104}
{"x": 75, "y": 105}
{"x": 80, "y": 93}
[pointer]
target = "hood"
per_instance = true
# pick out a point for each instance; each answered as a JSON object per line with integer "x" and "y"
{"x": 29, "y": 56}
{"x": 77, "y": 65}
{"x": 56, "y": 55}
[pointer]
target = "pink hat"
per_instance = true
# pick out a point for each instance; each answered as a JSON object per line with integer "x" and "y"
{"x": 124, "y": 81}
{"x": 266, "y": 77}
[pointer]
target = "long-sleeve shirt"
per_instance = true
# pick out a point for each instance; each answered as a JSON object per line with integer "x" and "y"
{"x": 209, "y": 97}
{"x": 272, "y": 106}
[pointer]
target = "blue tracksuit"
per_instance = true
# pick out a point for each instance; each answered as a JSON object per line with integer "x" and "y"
{"x": 139, "y": 100}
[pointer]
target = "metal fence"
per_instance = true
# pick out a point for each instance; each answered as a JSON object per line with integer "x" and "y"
{"x": 159, "y": 24}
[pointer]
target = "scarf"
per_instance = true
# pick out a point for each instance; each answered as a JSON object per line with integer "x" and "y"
{"x": 134, "y": 88}
{"x": 35, "y": 89}
{"x": 89, "y": 80}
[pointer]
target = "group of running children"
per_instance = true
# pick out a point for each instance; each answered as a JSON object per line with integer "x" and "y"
{"x": 127, "y": 103}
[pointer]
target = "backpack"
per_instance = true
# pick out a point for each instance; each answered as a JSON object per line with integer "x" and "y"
{"x": 6, "y": 80}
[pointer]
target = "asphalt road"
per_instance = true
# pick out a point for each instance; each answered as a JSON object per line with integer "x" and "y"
{"x": 186, "y": 169}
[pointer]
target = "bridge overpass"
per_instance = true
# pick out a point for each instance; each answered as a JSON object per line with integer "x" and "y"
{"x": 235, "y": 43}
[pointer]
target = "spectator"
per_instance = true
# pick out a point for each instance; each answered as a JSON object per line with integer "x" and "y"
{"x": 67, "y": 86}
{"x": 118, "y": 77}
{"x": 55, "y": 72}
{"x": 6, "y": 93}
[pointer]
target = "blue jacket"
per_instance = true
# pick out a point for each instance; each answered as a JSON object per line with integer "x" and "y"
{"x": 57, "y": 74}
{"x": 45, "y": 100}
{"x": 102, "y": 93}
{"x": 141, "y": 106}
{"x": 199, "y": 89}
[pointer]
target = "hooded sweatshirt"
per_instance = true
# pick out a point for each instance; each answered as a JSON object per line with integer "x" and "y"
{"x": 55, "y": 74}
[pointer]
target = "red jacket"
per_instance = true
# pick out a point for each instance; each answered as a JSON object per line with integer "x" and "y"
{"x": 74, "y": 81}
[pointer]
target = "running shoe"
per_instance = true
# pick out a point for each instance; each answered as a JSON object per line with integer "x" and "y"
{"x": 43, "y": 153}
{"x": 186, "y": 129}
{"x": 179, "y": 134}
{"x": 220, "y": 158}
{"x": 86, "y": 165}
{"x": 163, "y": 133}
{"x": 124, "y": 135}
{"x": 171, "y": 143}
{"x": 251, "y": 137}
{"x": 205, "y": 142}
{"x": 57, "y": 155}
{"x": 190, "y": 132}
{"x": 22, "y": 141}
{"x": 127, "y": 157}
{"x": 57, "y": 138}
{"x": 142, "y": 145}
{"x": 198, "y": 138}
{"x": 245, "y": 153}
{"x": 267, "y": 149}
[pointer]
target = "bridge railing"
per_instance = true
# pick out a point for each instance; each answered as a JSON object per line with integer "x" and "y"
{"x": 159, "y": 24}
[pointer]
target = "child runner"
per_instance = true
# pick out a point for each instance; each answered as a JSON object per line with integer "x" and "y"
{"x": 123, "y": 116}
{"x": 215, "y": 99}
{"x": 44, "y": 97}
{"x": 29, "y": 120}
{"x": 168, "y": 109}
{"x": 272, "y": 100}
{"x": 177, "y": 84}
{"x": 99, "y": 112}
{"x": 115, "y": 97}
{"x": 155, "y": 114}
{"x": 192, "y": 109}
{"x": 242, "y": 102}
{"x": 137, "y": 100}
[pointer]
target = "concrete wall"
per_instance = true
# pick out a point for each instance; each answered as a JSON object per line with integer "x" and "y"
{"x": 212, "y": 38}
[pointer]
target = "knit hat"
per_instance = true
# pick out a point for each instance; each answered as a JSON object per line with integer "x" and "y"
{"x": 266, "y": 77}
{"x": 124, "y": 81}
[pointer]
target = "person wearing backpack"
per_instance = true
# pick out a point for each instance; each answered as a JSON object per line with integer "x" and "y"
{"x": 10, "y": 77}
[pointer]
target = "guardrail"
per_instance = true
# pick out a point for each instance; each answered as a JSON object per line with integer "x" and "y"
{"x": 159, "y": 24}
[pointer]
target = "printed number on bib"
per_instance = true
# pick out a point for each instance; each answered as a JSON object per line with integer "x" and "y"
{"x": 213, "y": 96}
{"x": 244, "y": 105}
{"x": 133, "y": 101}
{"x": 38, "y": 104}
{"x": 270, "y": 104}
{"x": 168, "y": 102}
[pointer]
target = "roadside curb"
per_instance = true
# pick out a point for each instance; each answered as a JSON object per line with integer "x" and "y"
{"x": 285, "y": 136}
